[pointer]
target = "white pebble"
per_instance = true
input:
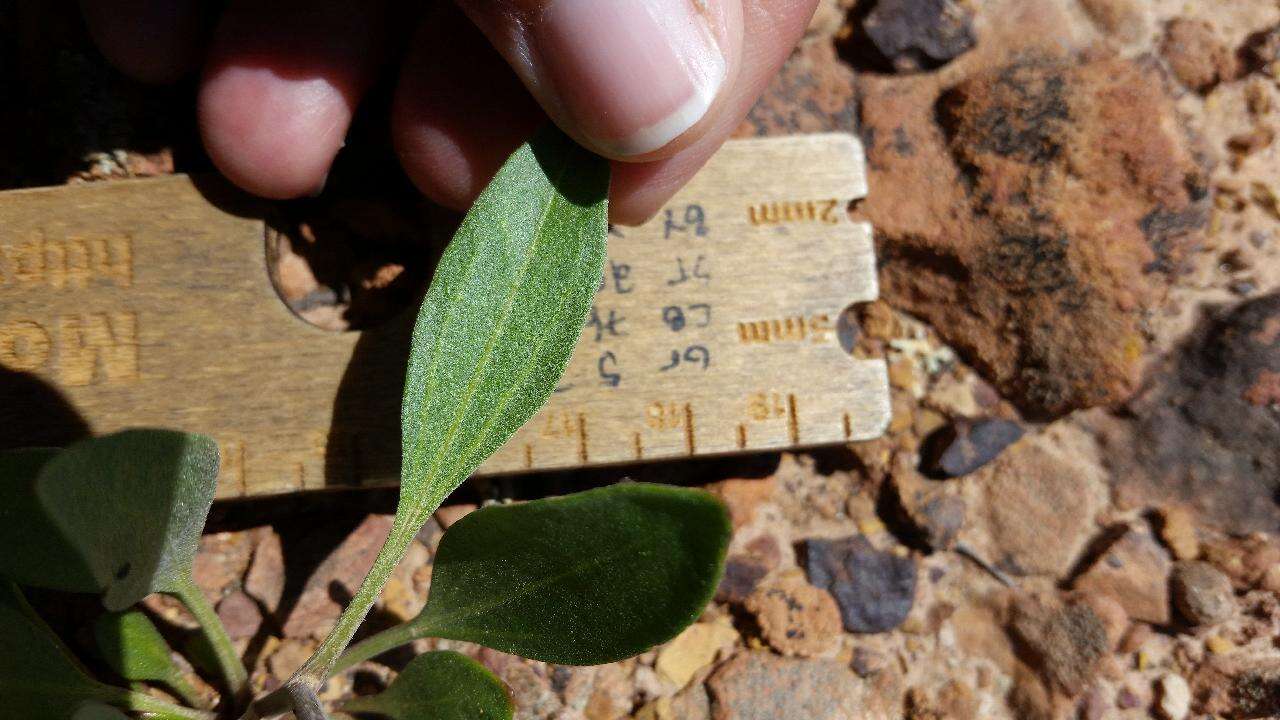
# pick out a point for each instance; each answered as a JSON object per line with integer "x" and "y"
{"x": 1175, "y": 697}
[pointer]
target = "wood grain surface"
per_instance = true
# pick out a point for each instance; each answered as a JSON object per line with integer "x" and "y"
{"x": 147, "y": 303}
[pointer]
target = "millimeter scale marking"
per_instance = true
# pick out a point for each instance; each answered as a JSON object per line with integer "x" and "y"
{"x": 147, "y": 303}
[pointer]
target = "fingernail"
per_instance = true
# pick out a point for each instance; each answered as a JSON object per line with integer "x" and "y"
{"x": 632, "y": 74}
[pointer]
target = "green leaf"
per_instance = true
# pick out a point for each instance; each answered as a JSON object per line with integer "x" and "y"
{"x": 583, "y": 579}
{"x": 39, "y": 680}
{"x": 441, "y": 685}
{"x": 39, "y": 555}
{"x": 503, "y": 313}
{"x": 120, "y": 514}
{"x": 132, "y": 646}
{"x": 497, "y": 328}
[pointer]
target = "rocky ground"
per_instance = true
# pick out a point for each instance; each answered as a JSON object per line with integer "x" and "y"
{"x": 1075, "y": 510}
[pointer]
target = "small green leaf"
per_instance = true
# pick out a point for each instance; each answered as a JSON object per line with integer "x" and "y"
{"x": 441, "y": 685}
{"x": 130, "y": 643}
{"x": 503, "y": 313}
{"x": 133, "y": 647}
{"x": 583, "y": 579}
{"x": 120, "y": 514}
{"x": 39, "y": 680}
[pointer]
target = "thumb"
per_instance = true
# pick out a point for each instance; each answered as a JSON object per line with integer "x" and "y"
{"x": 630, "y": 79}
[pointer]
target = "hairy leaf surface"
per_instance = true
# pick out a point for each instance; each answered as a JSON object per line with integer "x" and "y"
{"x": 119, "y": 514}
{"x": 130, "y": 643}
{"x": 503, "y": 313}
{"x": 441, "y": 685}
{"x": 583, "y": 579}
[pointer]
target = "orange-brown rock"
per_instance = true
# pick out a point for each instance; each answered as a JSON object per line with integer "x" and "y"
{"x": 1196, "y": 55}
{"x": 796, "y": 618}
{"x": 1033, "y": 213}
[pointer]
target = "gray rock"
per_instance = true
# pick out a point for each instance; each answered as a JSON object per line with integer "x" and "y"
{"x": 875, "y": 590}
{"x": 965, "y": 446}
{"x": 919, "y": 34}
{"x": 1202, "y": 593}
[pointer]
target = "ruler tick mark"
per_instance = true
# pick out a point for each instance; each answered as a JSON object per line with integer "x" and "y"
{"x": 528, "y": 456}
{"x": 688, "y": 429}
{"x": 793, "y": 425}
{"x": 582, "y": 437}
{"x": 848, "y": 427}
{"x": 639, "y": 447}
{"x": 742, "y": 436}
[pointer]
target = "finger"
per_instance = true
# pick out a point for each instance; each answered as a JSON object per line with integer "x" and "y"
{"x": 455, "y": 127}
{"x": 771, "y": 29}
{"x": 632, "y": 80}
{"x": 155, "y": 41}
{"x": 280, "y": 86}
{"x": 459, "y": 111}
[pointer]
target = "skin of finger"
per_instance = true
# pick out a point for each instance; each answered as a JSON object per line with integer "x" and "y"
{"x": 638, "y": 190}
{"x": 771, "y": 30}
{"x": 459, "y": 110}
{"x": 280, "y": 86}
{"x": 506, "y": 23}
{"x": 154, "y": 41}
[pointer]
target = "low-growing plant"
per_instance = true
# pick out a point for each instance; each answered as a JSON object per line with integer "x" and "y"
{"x": 583, "y": 579}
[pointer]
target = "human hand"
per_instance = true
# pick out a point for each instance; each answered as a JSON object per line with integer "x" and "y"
{"x": 655, "y": 85}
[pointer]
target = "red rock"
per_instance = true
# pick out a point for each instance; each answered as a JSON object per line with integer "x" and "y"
{"x": 1033, "y": 507}
{"x": 762, "y": 686}
{"x": 743, "y": 497}
{"x": 530, "y": 690}
{"x": 240, "y": 615}
{"x": 1035, "y": 228}
{"x": 1066, "y": 643}
{"x": 1126, "y": 20}
{"x": 813, "y": 92}
{"x": 796, "y": 618}
{"x": 221, "y": 561}
{"x": 1134, "y": 571}
{"x": 1115, "y": 621}
{"x": 265, "y": 580}
{"x": 345, "y": 567}
{"x": 1196, "y": 55}
{"x": 1178, "y": 531}
{"x": 450, "y": 514}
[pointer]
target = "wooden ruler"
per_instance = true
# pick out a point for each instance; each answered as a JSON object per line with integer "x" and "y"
{"x": 147, "y": 303}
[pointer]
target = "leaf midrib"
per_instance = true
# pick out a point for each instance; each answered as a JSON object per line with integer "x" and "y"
{"x": 499, "y": 327}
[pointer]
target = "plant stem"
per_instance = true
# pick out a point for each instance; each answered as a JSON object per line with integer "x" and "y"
{"x": 229, "y": 663}
{"x": 183, "y": 689}
{"x": 155, "y": 707}
{"x": 375, "y": 645}
{"x": 320, "y": 664}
